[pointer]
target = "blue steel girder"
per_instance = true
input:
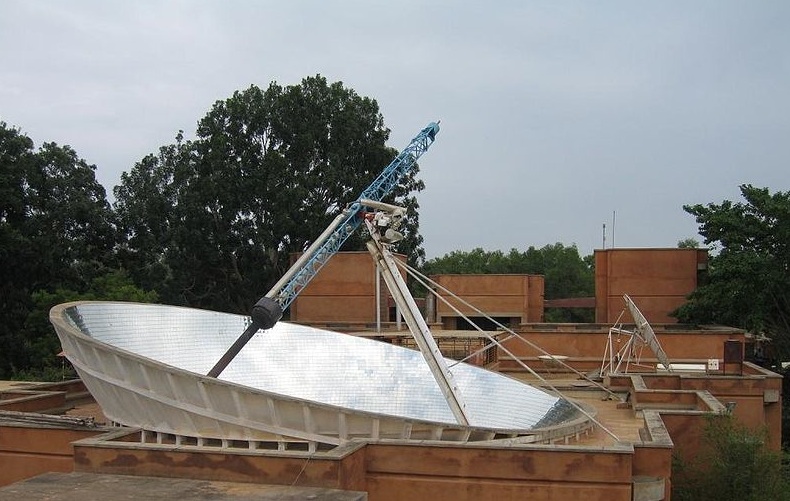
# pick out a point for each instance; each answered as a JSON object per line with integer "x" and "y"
{"x": 401, "y": 165}
{"x": 317, "y": 261}
{"x": 382, "y": 186}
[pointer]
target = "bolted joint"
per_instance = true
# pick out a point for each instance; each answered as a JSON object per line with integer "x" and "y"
{"x": 266, "y": 312}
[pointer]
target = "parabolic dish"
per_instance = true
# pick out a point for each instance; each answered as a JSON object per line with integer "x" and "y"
{"x": 146, "y": 364}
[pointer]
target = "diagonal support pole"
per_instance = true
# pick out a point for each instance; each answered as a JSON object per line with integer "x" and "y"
{"x": 419, "y": 329}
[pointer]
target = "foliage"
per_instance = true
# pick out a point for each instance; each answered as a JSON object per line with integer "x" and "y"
{"x": 212, "y": 223}
{"x": 566, "y": 274}
{"x": 688, "y": 243}
{"x": 40, "y": 339}
{"x": 56, "y": 230}
{"x": 734, "y": 462}
{"x": 748, "y": 283}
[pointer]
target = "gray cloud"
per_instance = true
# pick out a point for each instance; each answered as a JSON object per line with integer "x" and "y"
{"x": 554, "y": 114}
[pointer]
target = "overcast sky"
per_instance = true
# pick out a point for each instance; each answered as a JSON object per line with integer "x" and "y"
{"x": 555, "y": 115}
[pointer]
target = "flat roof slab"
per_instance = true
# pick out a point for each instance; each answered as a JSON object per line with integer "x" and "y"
{"x": 99, "y": 487}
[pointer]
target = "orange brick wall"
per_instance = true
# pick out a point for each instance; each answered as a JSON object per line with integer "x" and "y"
{"x": 748, "y": 393}
{"x": 29, "y": 451}
{"x": 399, "y": 471}
{"x": 578, "y": 341}
{"x": 438, "y": 473}
{"x": 518, "y": 296}
{"x": 658, "y": 280}
{"x": 343, "y": 291}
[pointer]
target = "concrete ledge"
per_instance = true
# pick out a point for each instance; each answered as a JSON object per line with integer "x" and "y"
{"x": 93, "y": 487}
{"x": 649, "y": 488}
{"x": 37, "y": 421}
{"x": 655, "y": 433}
{"x": 41, "y": 397}
{"x": 32, "y": 400}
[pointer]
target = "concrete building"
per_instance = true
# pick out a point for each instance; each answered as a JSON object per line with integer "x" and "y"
{"x": 658, "y": 280}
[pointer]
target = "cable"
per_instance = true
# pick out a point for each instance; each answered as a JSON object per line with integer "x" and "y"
{"x": 421, "y": 278}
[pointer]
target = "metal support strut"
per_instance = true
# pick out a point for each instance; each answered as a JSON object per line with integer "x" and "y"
{"x": 417, "y": 325}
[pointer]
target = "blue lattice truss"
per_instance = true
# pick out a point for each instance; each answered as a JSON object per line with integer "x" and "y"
{"x": 382, "y": 186}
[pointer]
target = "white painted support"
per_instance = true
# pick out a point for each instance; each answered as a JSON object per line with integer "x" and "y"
{"x": 378, "y": 298}
{"x": 406, "y": 432}
{"x": 342, "y": 426}
{"x": 417, "y": 325}
{"x": 309, "y": 424}
{"x": 375, "y": 429}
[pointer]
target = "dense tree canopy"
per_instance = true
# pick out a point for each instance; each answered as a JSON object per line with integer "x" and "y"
{"x": 749, "y": 271}
{"x": 566, "y": 273}
{"x": 212, "y": 222}
{"x": 56, "y": 231}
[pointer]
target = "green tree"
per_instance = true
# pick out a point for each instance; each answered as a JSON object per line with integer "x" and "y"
{"x": 56, "y": 230}
{"x": 476, "y": 261}
{"x": 42, "y": 343}
{"x": 748, "y": 283}
{"x": 734, "y": 462}
{"x": 688, "y": 243}
{"x": 17, "y": 252}
{"x": 212, "y": 222}
{"x": 566, "y": 273}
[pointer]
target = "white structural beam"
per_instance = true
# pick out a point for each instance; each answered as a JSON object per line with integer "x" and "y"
{"x": 417, "y": 325}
